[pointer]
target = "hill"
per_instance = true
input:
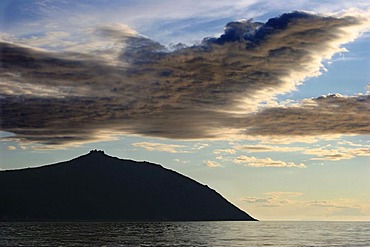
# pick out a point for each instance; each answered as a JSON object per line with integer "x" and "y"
{"x": 98, "y": 187}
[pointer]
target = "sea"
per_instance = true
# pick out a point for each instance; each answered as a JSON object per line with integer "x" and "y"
{"x": 214, "y": 233}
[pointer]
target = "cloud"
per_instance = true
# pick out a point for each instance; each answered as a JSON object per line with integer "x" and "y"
{"x": 263, "y": 202}
{"x": 161, "y": 147}
{"x": 265, "y": 162}
{"x": 318, "y": 116}
{"x": 341, "y": 207}
{"x": 266, "y": 148}
{"x": 186, "y": 21}
{"x": 287, "y": 203}
{"x": 224, "y": 151}
{"x": 328, "y": 204}
{"x": 284, "y": 194}
{"x": 274, "y": 199}
{"x": 121, "y": 82}
{"x": 12, "y": 148}
{"x": 212, "y": 164}
{"x": 321, "y": 153}
{"x": 357, "y": 211}
{"x": 338, "y": 154}
{"x": 181, "y": 161}
{"x": 200, "y": 146}
{"x": 285, "y": 208}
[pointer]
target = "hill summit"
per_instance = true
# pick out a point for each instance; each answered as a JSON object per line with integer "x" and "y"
{"x": 98, "y": 187}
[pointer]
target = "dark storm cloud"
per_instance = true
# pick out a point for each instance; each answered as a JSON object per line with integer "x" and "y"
{"x": 331, "y": 114}
{"x": 210, "y": 90}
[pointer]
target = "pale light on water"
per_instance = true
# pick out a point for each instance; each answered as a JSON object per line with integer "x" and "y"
{"x": 272, "y": 233}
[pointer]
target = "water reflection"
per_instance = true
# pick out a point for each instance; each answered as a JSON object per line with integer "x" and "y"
{"x": 186, "y": 234}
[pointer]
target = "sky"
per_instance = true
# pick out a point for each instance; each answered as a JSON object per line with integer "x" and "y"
{"x": 266, "y": 102}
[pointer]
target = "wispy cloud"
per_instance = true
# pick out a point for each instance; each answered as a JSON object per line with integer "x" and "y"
{"x": 274, "y": 199}
{"x": 181, "y": 161}
{"x": 212, "y": 164}
{"x": 345, "y": 150}
{"x": 160, "y": 147}
{"x": 11, "y": 148}
{"x": 338, "y": 154}
{"x": 200, "y": 146}
{"x": 267, "y": 148}
{"x": 293, "y": 200}
{"x": 224, "y": 151}
{"x": 330, "y": 204}
{"x": 211, "y": 90}
{"x": 264, "y": 162}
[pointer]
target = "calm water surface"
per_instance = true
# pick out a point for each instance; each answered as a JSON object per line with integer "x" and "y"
{"x": 252, "y": 234}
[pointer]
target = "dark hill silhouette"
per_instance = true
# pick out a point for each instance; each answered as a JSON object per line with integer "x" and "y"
{"x": 98, "y": 187}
